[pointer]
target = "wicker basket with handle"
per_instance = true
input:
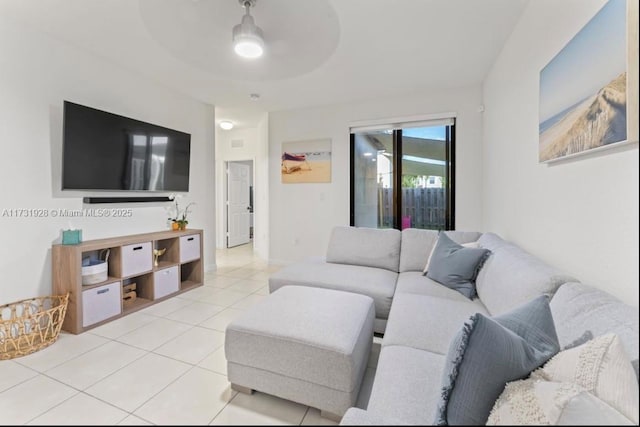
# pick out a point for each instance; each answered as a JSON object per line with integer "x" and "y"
{"x": 30, "y": 325}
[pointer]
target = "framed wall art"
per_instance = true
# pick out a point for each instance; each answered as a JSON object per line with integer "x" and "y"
{"x": 306, "y": 161}
{"x": 589, "y": 90}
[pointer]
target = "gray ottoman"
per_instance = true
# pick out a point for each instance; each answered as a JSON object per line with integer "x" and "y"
{"x": 308, "y": 345}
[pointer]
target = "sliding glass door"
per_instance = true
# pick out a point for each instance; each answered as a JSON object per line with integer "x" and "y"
{"x": 402, "y": 176}
{"x": 373, "y": 179}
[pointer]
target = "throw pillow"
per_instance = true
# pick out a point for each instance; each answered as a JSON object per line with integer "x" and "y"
{"x": 475, "y": 244}
{"x": 537, "y": 402}
{"x": 490, "y": 352}
{"x": 602, "y": 367}
{"x": 455, "y": 266}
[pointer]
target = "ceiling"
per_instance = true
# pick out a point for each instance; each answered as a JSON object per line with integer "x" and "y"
{"x": 319, "y": 52}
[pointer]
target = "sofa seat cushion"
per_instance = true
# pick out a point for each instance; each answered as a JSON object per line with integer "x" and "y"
{"x": 413, "y": 282}
{"x": 426, "y": 322}
{"x": 360, "y": 417}
{"x": 367, "y": 247}
{"x": 377, "y": 283}
{"x": 406, "y": 386}
{"x": 511, "y": 276}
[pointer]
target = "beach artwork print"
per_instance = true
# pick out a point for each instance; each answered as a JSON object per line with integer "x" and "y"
{"x": 306, "y": 161}
{"x": 583, "y": 90}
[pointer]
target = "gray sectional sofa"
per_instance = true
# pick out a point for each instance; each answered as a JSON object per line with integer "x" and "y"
{"x": 419, "y": 317}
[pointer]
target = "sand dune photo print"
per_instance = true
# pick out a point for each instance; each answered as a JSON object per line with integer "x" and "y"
{"x": 583, "y": 90}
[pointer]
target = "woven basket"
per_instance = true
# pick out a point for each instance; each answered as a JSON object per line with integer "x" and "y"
{"x": 30, "y": 325}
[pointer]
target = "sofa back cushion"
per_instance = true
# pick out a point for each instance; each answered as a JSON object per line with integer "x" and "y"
{"x": 418, "y": 244}
{"x": 511, "y": 276}
{"x": 368, "y": 247}
{"x": 581, "y": 312}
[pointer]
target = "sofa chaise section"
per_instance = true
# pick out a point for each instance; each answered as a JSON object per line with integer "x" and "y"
{"x": 358, "y": 260}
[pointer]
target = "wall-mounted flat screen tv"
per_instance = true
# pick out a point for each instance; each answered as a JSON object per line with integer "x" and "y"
{"x": 105, "y": 151}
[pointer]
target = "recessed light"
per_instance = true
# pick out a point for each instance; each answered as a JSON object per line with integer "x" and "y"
{"x": 367, "y": 154}
{"x": 226, "y": 125}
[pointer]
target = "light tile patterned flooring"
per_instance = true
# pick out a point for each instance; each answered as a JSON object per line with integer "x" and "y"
{"x": 162, "y": 365}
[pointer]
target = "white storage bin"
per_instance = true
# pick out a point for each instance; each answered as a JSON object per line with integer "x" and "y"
{"x": 165, "y": 282}
{"x": 95, "y": 272}
{"x": 189, "y": 247}
{"x": 100, "y": 303}
{"x": 136, "y": 259}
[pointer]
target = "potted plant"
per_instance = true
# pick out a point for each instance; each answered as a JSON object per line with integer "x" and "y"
{"x": 179, "y": 221}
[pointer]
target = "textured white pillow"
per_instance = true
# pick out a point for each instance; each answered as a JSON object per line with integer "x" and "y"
{"x": 475, "y": 244}
{"x": 600, "y": 366}
{"x": 539, "y": 402}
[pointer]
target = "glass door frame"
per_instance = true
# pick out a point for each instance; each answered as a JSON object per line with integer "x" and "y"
{"x": 450, "y": 173}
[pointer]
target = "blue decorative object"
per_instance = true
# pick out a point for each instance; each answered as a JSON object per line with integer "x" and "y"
{"x": 71, "y": 237}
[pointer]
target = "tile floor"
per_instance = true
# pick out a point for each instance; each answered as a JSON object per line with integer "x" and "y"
{"x": 162, "y": 365}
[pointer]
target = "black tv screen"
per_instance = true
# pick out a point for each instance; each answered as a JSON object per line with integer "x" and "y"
{"x": 105, "y": 151}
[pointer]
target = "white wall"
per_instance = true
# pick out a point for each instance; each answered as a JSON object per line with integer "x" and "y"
{"x": 261, "y": 193}
{"x": 579, "y": 215}
{"x": 254, "y": 147}
{"x": 36, "y": 74}
{"x": 302, "y": 215}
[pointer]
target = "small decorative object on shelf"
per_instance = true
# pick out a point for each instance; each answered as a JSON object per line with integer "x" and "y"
{"x": 157, "y": 253}
{"x": 95, "y": 270}
{"x": 129, "y": 293}
{"x": 179, "y": 221}
{"x": 30, "y": 325}
{"x": 71, "y": 237}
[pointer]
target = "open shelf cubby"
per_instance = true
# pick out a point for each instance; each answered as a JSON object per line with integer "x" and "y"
{"x": 190, "y": 274}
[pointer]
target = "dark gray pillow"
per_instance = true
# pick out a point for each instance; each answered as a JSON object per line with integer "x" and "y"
{"x": 455, "y": 266}
{"x": 489, "y": 352}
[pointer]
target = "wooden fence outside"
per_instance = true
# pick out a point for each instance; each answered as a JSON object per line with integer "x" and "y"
{"x": 421, "y": 208}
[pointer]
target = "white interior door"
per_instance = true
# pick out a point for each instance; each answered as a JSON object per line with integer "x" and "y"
{"x": 238, "y": 210}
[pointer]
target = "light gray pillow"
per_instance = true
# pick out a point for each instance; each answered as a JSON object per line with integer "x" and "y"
{"x": 456, "y": 266}
{"x": 490, "y": 352}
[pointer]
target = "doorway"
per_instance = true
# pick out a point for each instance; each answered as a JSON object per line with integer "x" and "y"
{"x": 239, "y": 203}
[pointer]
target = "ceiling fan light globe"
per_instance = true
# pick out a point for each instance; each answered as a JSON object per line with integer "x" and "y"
{"x": 247, "y": 39}
{"x": 248, "y": 48}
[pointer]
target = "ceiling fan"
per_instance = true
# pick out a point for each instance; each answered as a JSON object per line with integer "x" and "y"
{"x": 248, "y": 40}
